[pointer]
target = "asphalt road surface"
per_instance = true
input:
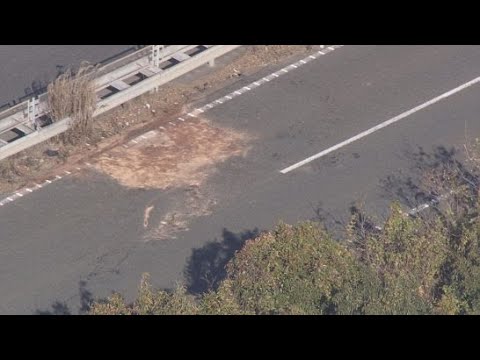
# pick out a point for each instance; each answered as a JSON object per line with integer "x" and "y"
{"x": 27, "y": 67}
{"x": 83, "y": 237}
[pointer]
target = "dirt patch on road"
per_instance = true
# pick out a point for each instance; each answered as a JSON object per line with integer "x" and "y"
{"x": 184, "y": 156}
{"x": 179, "y": 159}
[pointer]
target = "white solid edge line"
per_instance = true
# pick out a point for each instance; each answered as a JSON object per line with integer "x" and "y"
{"x": 381, "y": 126}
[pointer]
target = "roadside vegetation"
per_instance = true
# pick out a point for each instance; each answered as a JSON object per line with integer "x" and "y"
{"x": 423, "y": 264}
{"x": 72, "y": 94}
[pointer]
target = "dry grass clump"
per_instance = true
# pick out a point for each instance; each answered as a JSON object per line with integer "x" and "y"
{"x": 73, "y": 95}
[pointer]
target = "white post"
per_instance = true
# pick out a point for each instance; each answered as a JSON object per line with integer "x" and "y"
{"x": 32, "y": 111}
{"x": 155, "y": 55}
{"x": 155, "y": 59}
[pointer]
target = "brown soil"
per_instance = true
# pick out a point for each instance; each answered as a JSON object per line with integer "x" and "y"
{"x": 184, "y": 156}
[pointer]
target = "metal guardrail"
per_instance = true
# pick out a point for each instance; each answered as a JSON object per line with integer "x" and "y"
{"x": 144, "y": 70}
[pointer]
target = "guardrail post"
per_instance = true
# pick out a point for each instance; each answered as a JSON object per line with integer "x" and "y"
{"x": 155, "y": 55}
{"x": 33, "y": 111}
{"x": 155, "y": 59}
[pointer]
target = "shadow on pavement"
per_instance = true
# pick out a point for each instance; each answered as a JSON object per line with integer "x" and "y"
{"x": 206, "y": 267}
{"x": 432, "y": 175}
{"x": 61, "y": 308}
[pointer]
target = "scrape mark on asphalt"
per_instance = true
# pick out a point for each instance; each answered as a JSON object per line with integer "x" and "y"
{"x": 146, "y": 215}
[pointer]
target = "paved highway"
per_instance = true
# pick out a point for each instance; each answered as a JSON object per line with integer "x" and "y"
{"x": 83, "y": 237}
{"x": 25, "y": 67}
